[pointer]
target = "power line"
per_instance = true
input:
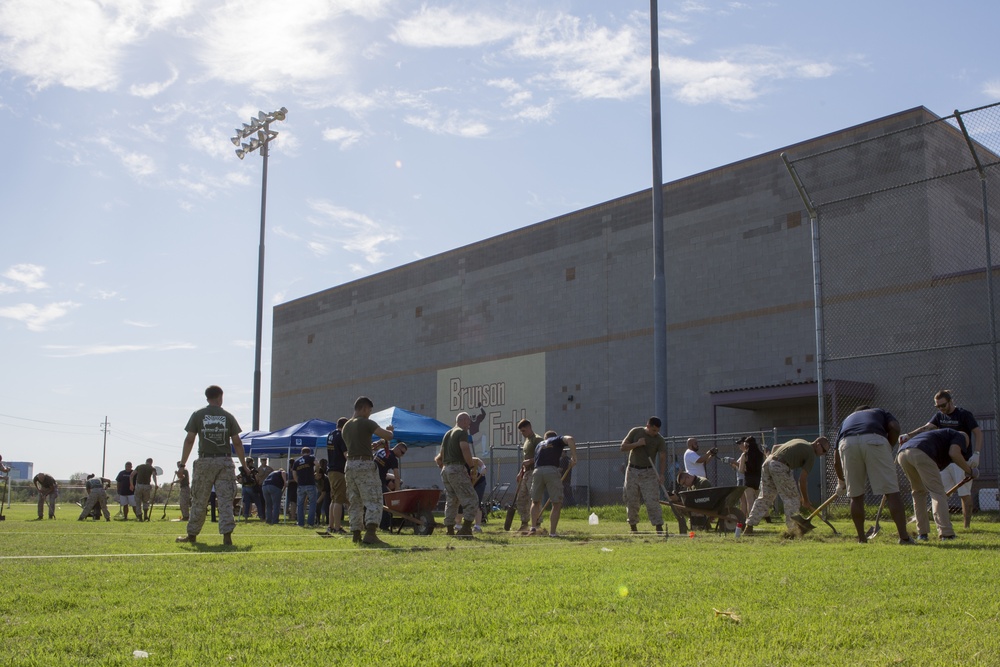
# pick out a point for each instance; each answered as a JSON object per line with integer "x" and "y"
{"x": 39, "y": 421}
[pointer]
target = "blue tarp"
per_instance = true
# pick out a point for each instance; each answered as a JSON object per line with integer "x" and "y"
{"x": 291, "y": 440}
{"x": 410, "y": 427}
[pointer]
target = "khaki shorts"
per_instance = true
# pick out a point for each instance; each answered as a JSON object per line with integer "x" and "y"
{"x": 338, "y": 488}
{"x": 868, "y": 458}
{"x": 547, "y": 478}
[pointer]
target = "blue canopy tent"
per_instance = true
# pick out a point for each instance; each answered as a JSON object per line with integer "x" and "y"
{"x": 412, "y": 428}
{"x": 311, "y": 433}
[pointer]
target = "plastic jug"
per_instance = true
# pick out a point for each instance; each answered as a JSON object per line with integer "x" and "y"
{"x": 593, "y": 519}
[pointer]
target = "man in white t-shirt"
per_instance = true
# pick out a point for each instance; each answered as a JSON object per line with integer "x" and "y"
{"x": 694, "y": 464}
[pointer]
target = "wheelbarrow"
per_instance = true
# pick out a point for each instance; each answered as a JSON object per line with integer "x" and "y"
{"x": 415, "y": 506}
{"x": 717, "y": 502}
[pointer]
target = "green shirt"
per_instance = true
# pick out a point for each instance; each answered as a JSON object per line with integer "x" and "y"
{"x": 797, "y": 453}
{"x": 357, "y": 434}
{"x": 529, "y": 446}
{"x": 451, "y": 446}
{"x": 144, "y": 473}
{"x": 215, "y": 428}
{"x": 643, "y": 457}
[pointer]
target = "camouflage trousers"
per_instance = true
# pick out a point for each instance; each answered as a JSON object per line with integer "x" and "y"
{"x": 364, "y": 493}
{"x": 218, "y": 471}
{"x": 98, "y": 497}
{"x": 143, "y": 499}
{"x": 523, "y": 499}
{"x": 775, "y": 480}
{"x": 460, "y": 491}
{"x": 642, "y": 485}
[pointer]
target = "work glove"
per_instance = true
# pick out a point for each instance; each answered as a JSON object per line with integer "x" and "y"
{"x": 974, "y": 473}
{"x": 974, "y": 460}
{"x": 841, "y": 488}
{"x": 903, "y": 438}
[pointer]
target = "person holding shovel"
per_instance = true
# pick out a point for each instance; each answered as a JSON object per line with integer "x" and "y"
{"x": 864, "y": 456}
{"x": 922, "y": 457}
{"x": 523, "y": 495}
{"x": 642, "y": 481}
{"x": 547, "y": 478}
{"x": 776, "y": 479}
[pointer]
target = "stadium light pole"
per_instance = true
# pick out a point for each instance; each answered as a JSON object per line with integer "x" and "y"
{"x": 260, "y": 133}
{"x": 659, "y": 275}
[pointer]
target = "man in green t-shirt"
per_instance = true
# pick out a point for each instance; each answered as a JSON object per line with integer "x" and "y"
{"x": 455, "y": 460}
{"x": 527, "y": 472}
{"x": 364, "y": 489}
{"x": 215, "y": 429}
{"x": 642, "y": 480}
{"x": 776, "y": 479}
{"x": 142, "y": 481}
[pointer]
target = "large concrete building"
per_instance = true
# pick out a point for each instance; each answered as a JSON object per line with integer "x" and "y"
{"x": 554, "y": 321}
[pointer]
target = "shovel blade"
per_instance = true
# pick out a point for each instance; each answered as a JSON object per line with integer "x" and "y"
{"x": 804, "y": 525}
{"x": 510, "y": 517}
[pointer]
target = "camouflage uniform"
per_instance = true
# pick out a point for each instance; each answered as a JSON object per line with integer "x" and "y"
{"x": 459, "y": 490}
{"x": 523, "y": 499}
{"x": 364, "y": 492}
{"x": 96, "y": 495}
{"x": 642, "y": 484}
{"x": 776, "y": 479}
{"x": 219, "y": 471}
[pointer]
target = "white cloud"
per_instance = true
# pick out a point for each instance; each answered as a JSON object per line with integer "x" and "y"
{"x": 153, "y": 89}
{"x": 75, "y": 43}
{"x": 64, "y": 351}
{"x": 992, "y": 89}
{"x": 450, "y": 123}
{"x": 272, "y": 51}
{"x": 245, "y": 344}
{"x": 446, "y": 27}
{"x": 37, "y": 318}
{"x": 29, "y": 276}
{"x": 737, "y": 77}
{"x": 343, "y": 136}
{"x": 137, "y": 164}
{"x": 355, "y": 232}
{"x": 141, "y": 325}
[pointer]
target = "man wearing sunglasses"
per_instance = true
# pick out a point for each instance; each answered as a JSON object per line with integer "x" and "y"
{"x": 951, "y": 416}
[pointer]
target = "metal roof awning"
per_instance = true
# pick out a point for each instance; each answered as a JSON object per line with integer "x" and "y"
{"x": 788, "y": 394}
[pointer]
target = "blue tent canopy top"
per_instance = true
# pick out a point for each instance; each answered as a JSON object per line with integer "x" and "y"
{"x": 284, "y": 442}
{"x": 410, "y": 427}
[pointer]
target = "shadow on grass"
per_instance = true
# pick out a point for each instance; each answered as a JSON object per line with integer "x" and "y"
{"x": 217, "y": 548}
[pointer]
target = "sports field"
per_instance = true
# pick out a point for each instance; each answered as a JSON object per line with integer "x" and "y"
{"x": 93, "y": 593}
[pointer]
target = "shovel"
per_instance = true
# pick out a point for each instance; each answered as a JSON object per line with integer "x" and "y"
{"x": 512, "y": 507}
{"x": 873, "y": 531}
{"x": 955, "y": 488}
{"x": 805, "y": 525}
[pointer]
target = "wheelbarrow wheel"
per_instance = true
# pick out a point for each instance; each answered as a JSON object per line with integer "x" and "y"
{"x": 427, "y": 527}
{"x": 735, "y": 517}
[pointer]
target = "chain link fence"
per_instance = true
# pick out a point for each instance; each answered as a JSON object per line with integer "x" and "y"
{"x": 904, "y": 254}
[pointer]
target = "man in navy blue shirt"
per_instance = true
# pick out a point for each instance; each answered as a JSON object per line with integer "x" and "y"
{"x": 547, "y": 478}
{"x": 864, "y": 455}
{"x": 387, "y": 461}
{"x": 960, "y": 419}
{"x": 921, "y": 458}
{"x": 304, "y": 472}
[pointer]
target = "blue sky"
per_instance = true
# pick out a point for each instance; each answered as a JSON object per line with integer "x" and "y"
{"x": 128, "y": 267}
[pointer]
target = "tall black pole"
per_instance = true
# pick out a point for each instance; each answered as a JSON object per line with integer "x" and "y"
{"x": 659, "y": 277}
{"x": 260, "y": 294}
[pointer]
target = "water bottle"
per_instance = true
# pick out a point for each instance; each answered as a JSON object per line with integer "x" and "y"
{"x": 739, "y": 530}
{"x": 593, "y": 519}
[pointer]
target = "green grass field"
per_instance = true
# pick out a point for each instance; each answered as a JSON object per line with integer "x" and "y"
{"x": 92, "y": 593}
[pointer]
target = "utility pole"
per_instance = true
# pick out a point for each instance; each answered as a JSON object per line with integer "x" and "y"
{"x": 104, "y": 455}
